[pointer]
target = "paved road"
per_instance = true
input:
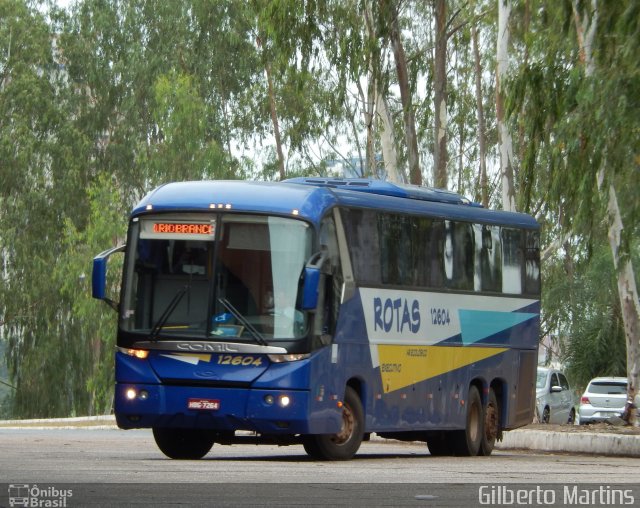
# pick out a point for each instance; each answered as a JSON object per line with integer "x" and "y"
{"x": 382, "y": 474}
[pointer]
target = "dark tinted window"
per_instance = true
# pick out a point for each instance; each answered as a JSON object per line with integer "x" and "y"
{"x": 333, "y": 289}
{"x": 608, "y": 388}
{"x": 361, "y": 230}
{"x": 532, "y": 263}
{"x": 427, "y": 251}
{"x": 512, "y": 261}
{"x": 458, "y": 255}
{"x": 488, "y": 258}
{"x": 405, "y": 250}
{"x": 396, "y": 252}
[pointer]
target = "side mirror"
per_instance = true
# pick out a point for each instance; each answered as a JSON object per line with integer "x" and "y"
{"x": 311, "y": 281}
{"x": 556, "y": 389}
{"x": 99, "y": 275}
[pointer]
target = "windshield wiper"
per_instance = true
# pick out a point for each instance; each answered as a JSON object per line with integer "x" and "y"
{"x": 164, "y": 317}
{"x": 236, "y": 314}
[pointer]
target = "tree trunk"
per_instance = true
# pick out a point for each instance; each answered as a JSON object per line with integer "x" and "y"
{"x": 415, "y": 174}
{"x": 629, "y": 301}
{"x": 274, "y": 121}
{"x": 368, "y": 113}
{"x": 273, "y": 111}
{"x": 506, "y": 145}
{"x": 440, "y": 97}
{"x": 482, "y": 143}
{"x": 388, "y": 142}
{"x": 626, "y": 281}
{"x": 370, "y": 102}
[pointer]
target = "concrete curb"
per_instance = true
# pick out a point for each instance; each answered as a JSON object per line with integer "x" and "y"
{"x": 90, "y": 422}
{"x": 592, "y": 443}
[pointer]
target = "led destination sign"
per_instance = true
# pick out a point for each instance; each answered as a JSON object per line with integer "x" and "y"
{"x": 178, "y": 228}
{"x": 183, "y": 228}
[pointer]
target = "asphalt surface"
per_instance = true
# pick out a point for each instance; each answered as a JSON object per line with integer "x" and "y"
{"x": 535, "y": 438}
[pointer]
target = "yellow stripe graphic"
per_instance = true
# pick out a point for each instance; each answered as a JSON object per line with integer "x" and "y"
{"x": 402, "y": 366}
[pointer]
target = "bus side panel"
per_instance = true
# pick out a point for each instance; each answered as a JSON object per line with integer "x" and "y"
{"x": 415, "y": 354}
{"x": 522, "y": 410}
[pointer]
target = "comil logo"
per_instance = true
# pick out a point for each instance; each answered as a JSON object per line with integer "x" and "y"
{"x": 22, "y": 494}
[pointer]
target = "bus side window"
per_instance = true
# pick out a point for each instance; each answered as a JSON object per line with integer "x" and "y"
{"x": 532, "y": 263}
{"x": 427, "y": 252}
{"x": 362, "y": 238}
{"x": 512, "y": 261}
{"x": 394, "y": 232}
{"x": 488, "y": 262}
{"x": 458, "y": 255}
{"x": 333, "y": 289}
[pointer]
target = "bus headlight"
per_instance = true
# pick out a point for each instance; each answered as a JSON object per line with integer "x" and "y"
{"x": 138, "y": 353}
{"x": 284, "y": 400}
{"x": 132, "y": 393}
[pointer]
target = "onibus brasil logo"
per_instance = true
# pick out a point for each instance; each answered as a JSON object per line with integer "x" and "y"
{"x": 23, "y": 494}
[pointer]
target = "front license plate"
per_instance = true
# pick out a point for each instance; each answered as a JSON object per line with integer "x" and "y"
{"x": 204, "y": 404}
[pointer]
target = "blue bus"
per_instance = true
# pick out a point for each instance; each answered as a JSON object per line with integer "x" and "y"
{"x": 318, "y": 311}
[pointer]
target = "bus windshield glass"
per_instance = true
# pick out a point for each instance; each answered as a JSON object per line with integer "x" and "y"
{"x": 216, "y": 277}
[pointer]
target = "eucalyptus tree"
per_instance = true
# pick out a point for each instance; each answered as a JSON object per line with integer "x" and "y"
{"x": 578, "y": 306}
{"x": 506, "y": 147}
{"x": 140, "y": 91}
{"x": 41, "y": 168}
{"x": 582, "y": 116}
{"x": 395, "y": 36}
{"x": 163, "y": 79}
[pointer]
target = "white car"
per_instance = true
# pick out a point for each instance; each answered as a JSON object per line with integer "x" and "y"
{"x": 554, "y": 397}
{"x": 604, "y": 398}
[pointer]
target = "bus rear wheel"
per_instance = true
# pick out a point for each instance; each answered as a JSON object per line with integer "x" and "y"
{"x": 344, "y": 444}
{"x": 491, "y": 424}
{"x": 469, "y": 440}
{"x": 441, "y": 443}
{"x": 185, "y": 444}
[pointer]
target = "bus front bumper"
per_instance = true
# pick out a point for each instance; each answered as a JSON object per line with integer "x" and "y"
{"x": 222, "y": 409}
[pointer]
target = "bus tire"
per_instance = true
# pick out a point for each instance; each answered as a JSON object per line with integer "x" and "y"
{"x": 491, "y": 424}
{"x": 441, "y": 443}
{"x": 184, "y": 444}
{"x": 468, "y": 440}
{"x": 344, "y": 444}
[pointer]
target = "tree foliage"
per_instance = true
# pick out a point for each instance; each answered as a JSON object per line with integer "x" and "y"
{"x": 103, "y": 101}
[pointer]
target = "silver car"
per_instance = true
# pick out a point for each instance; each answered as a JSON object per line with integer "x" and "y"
{"x": 554, "y": 397}
{"x": 604, "y": 398}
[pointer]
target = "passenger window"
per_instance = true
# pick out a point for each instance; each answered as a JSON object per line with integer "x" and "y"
{"x": 362, "y": 235}
{"x": 394, "y": 232}
{"x": 333, "y": 289}
{"x": 488, "y": 269}
{"x": 532, "y": 263}
{"x": 427, "y": 251}
{"x": 458, "y": 255}
{"x": 563, "y": 382}
{"x": 512, "y": 261}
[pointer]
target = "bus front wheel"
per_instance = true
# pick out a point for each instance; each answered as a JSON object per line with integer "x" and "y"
{"x": 469, "y": 440}
{"x": 185, "y": 444}
{"x": 344, "y": 444}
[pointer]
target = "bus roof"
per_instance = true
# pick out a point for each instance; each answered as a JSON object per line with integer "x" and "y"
{"x": 311, "y": 198}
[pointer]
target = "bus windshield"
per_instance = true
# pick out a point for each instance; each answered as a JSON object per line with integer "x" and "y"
{"x": 215, "y": 277}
